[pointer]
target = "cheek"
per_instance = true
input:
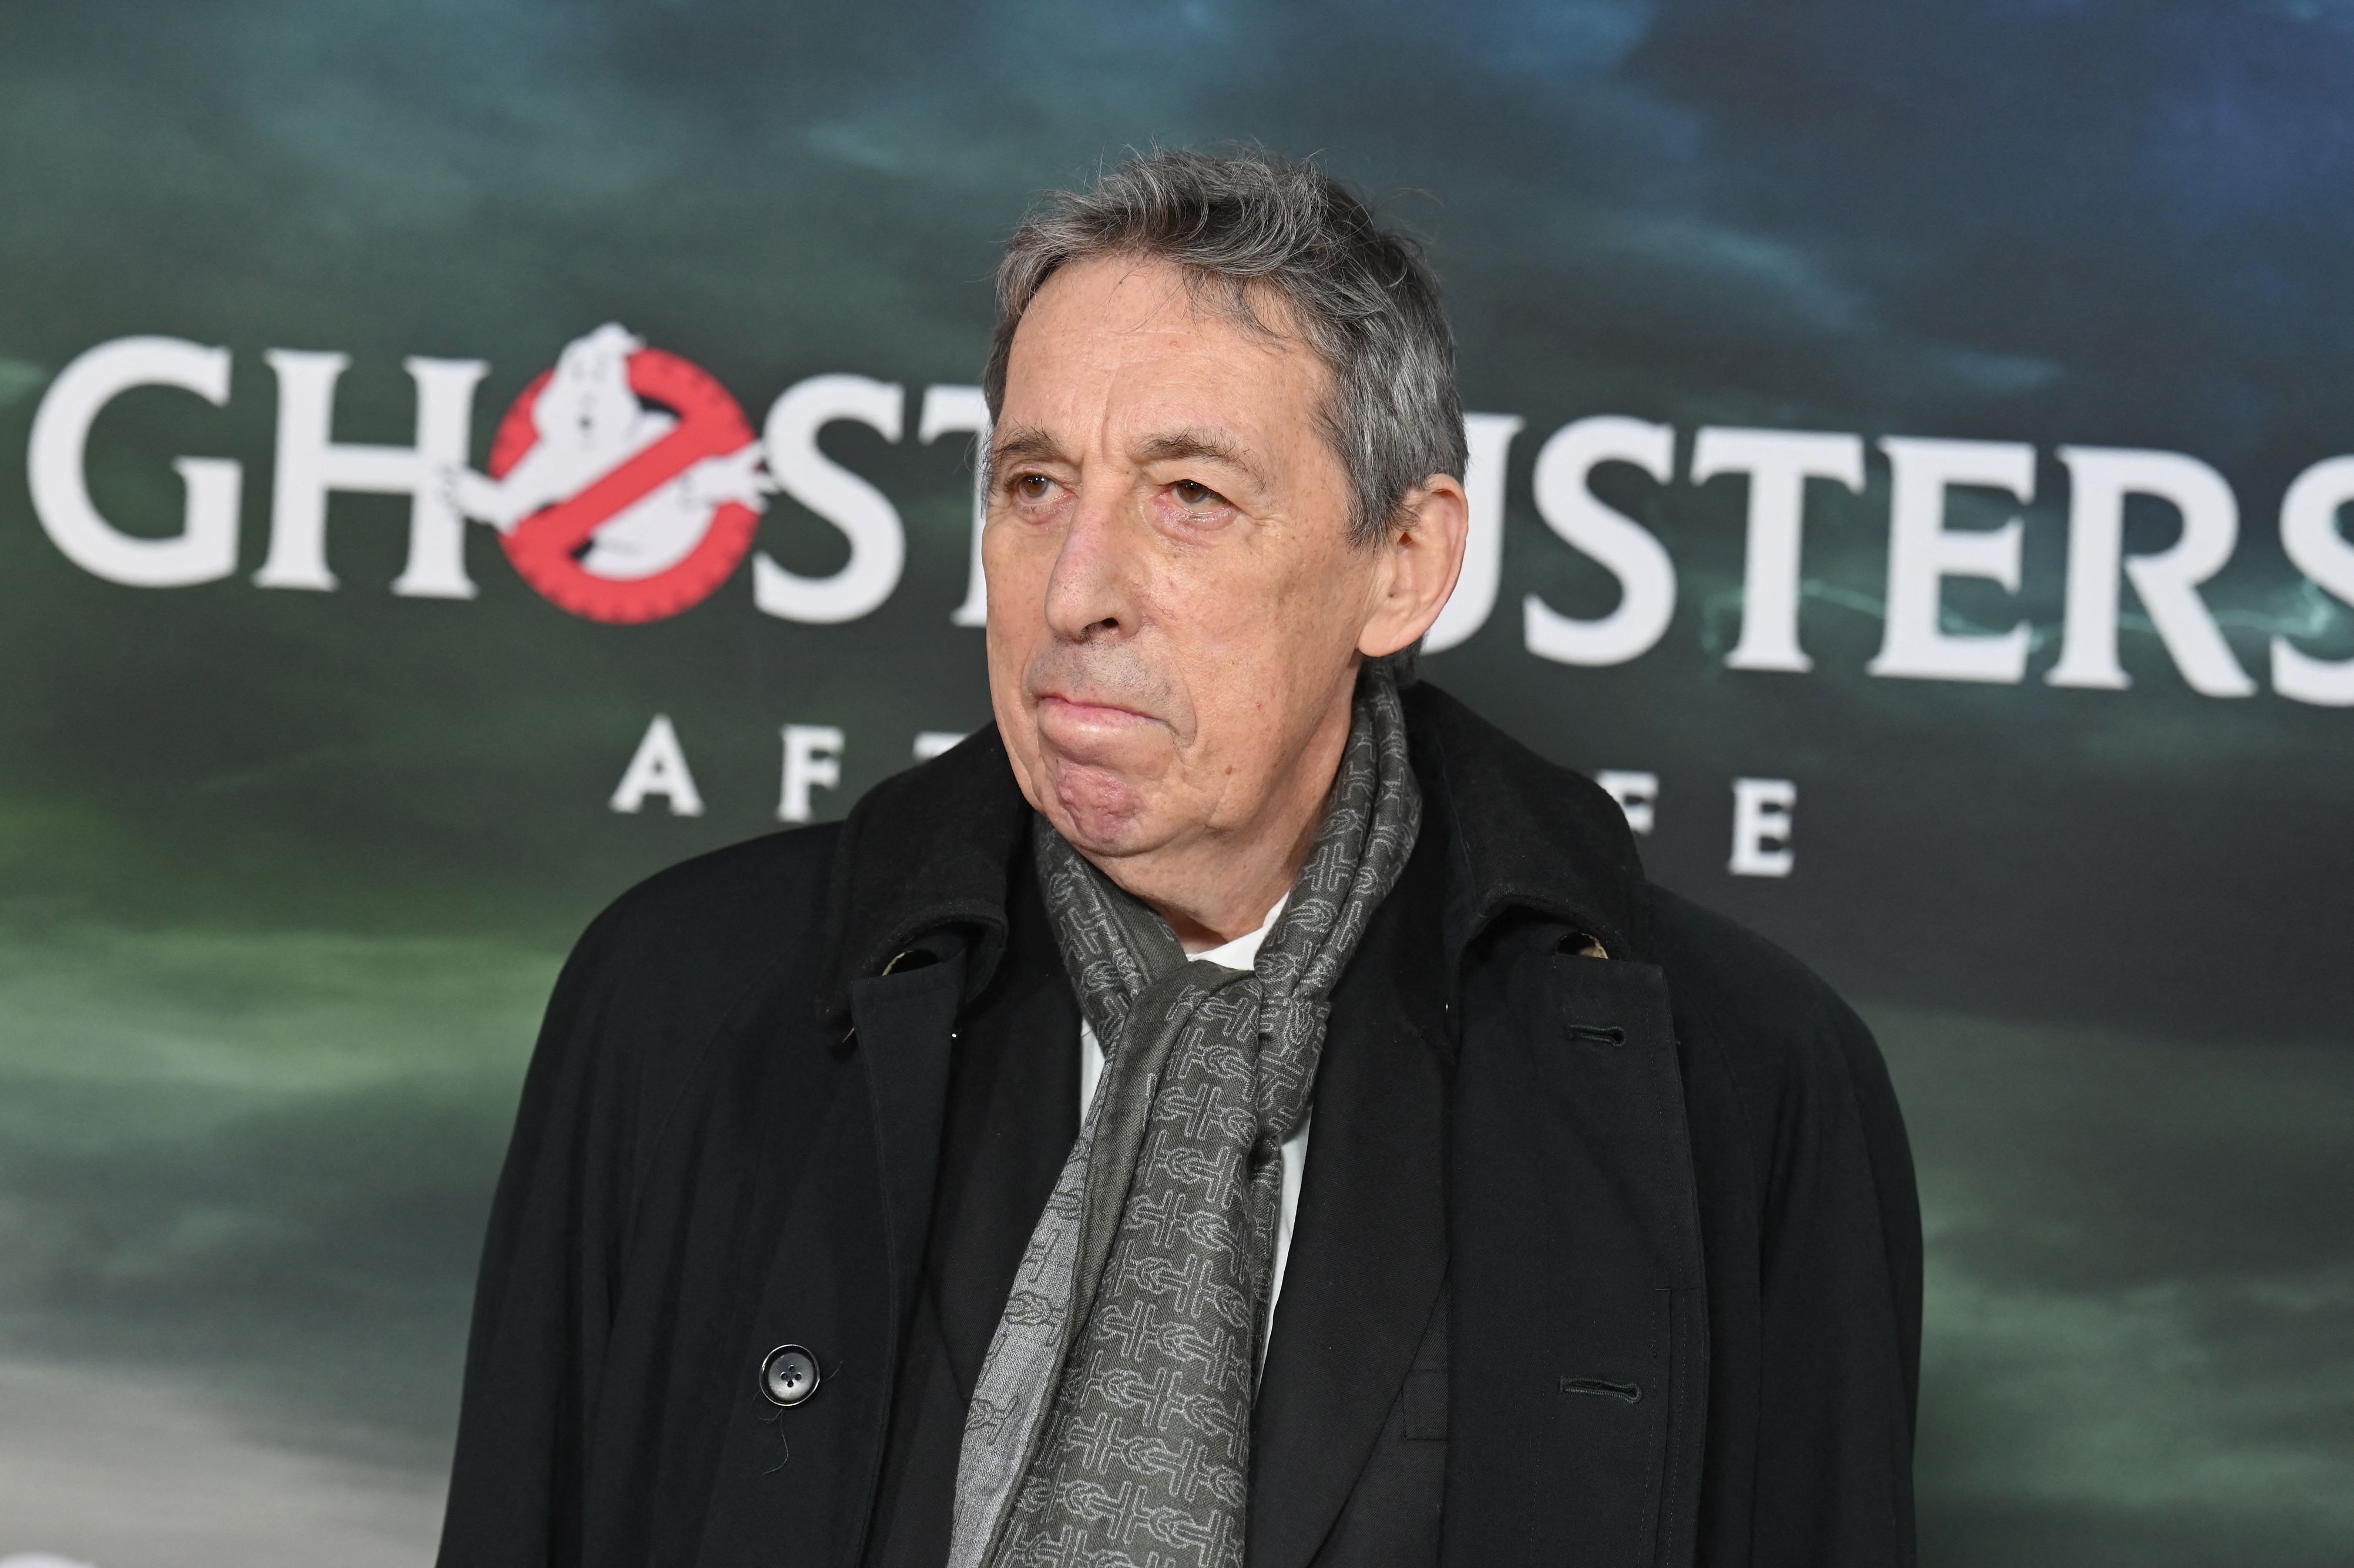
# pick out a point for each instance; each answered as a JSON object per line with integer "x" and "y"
{"x": 1285, "y": 637}
{"x": 1241, "y": 640}
{"x": 1012, "y": 624}
{"x": 1001, "y": 555}
{"x": 1262, "y": 615}
{"x": 1015, "y": 570}
{"x": 1009, "y": 649}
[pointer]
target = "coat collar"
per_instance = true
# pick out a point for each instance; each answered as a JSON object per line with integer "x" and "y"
{"x": 927, "y": 851}
{"x": 1526, "y": 836}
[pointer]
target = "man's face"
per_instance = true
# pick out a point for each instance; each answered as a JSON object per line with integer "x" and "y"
{"x": 1174, "y": 603}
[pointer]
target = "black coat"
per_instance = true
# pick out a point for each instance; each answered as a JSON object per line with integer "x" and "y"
{"x": 1680, "y": 1267}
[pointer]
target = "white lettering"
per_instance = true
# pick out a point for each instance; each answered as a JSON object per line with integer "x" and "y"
{"x": 659, "y": 767}
{"x": 204, "y": 549}
{"x": 964, "y": 409}
{"x": 2099, "y": 479}
{"x": 1635, "y": 792}
{"x": 2310, "y": 536}
{"x": 878, "y": 544}
{"x": 1778, "y": 464}
{"x": 1488, "y": 437}
{"x": 1761, "y": 827}
{"x": 930, "y": 743}
{"x": 310, "y": 463}
{"x": 1647, "y": 578}
{"x": 1923, "y": 553}
{"x": 813, "y": 761}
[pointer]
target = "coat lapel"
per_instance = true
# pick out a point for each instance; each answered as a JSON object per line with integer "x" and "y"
{"x": 1580, "y": 1364}
{"x": 1368, "y": 1254}
{"x": 1578, "y": 1372}
{"x": 917, "y": 915}
{"x": 905, "y": 1023}
{"x": 840, "y": 1278}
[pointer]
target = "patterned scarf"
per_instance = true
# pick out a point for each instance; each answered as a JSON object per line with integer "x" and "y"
{"x": 1111, "y": 1422}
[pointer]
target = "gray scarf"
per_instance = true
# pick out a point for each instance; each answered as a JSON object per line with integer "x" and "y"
{"x": 1111, "y": 1422}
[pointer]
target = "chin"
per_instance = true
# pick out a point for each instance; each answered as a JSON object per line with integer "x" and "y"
{"x": 1101, "y": 811}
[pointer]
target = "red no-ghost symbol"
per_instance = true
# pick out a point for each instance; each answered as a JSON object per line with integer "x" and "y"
{"x": 546, "y": 547}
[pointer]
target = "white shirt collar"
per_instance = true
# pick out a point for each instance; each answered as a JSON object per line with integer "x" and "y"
{"x": 1242, "y": 953}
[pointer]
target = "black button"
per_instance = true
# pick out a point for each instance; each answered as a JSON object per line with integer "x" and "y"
{"x": 788, "y": 1375}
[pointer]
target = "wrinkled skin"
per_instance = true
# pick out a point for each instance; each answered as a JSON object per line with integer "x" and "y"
{"x": 1176, "y": 609}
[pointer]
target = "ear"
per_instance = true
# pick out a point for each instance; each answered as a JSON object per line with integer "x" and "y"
{"x": 1422, "y": 556}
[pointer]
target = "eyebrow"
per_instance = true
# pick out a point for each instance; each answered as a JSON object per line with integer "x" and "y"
{"x": 1024, "y": 443}
{"x": 1177, "y": 446}
{"x": 1030, "y": 443}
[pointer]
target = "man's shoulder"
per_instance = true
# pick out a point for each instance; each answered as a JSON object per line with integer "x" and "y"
{"x": 1727, "y": 963}
{"x": 1750, "y": 1015}
{"x": 688, "y": 943}
{"x": 690, "y": 974}
{"x": 740, "y": 897}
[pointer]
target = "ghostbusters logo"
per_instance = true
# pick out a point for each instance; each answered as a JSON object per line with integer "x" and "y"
{"x": 625, "y": 484}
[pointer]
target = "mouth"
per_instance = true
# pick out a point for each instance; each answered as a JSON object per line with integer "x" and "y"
{"x": 1078, "y": 713}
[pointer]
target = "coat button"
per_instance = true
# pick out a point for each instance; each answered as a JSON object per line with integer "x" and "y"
{"x": 789, "y": 1375}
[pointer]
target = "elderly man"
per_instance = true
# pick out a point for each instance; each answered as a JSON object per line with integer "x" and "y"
{"x": 1242, "y": 1108}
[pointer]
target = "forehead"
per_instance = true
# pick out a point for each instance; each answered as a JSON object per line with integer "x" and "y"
{"x": 1125, "y": 347}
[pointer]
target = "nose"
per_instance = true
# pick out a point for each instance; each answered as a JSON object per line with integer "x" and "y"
{"x": 1092, "y": 595}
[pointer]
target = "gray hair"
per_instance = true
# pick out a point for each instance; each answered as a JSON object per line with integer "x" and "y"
{"x": 1362, "y": 298}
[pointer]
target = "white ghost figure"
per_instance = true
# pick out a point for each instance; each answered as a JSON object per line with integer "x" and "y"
{"x": 589, "y": 423}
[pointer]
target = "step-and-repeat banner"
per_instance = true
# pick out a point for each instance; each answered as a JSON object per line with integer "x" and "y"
{"x": 458, "y": 459}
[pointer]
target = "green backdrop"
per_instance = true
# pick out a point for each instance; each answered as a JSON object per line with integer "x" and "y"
{"x": 286, "y": 871}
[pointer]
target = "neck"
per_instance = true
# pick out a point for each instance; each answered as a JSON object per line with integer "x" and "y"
{"x": 1219, "y": 884}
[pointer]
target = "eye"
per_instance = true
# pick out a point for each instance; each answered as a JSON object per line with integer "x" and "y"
{"x": 1193, "y": 493}
{"x": 1031, "y": 486}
